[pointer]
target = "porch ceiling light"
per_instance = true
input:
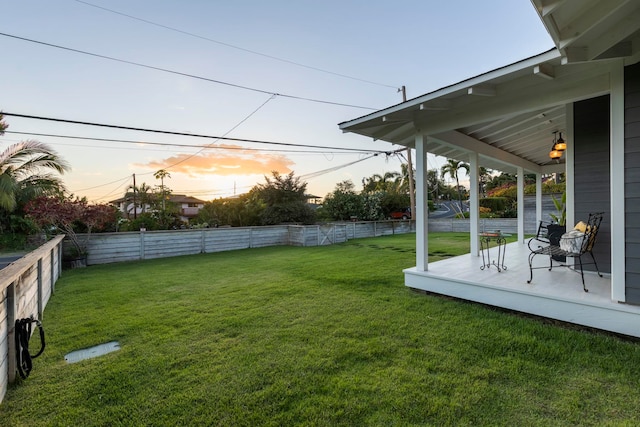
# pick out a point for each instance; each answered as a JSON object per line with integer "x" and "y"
{"x": 560, "y": 144}
{"x": 557, "y": 147}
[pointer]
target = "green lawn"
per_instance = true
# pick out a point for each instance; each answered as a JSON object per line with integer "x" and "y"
{"x": 310, "y": 336}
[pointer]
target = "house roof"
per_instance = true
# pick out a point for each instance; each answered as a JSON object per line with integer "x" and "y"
{"x": 176, "y": 198}
{"x": 181, "y": 198}
{"x": 508, "y": 115}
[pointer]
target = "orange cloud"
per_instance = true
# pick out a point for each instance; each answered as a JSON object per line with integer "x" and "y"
{"x": 227, "y": 162}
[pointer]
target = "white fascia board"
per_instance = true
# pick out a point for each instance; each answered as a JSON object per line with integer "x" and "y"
{"x": 460, "y": 140}
{"x": 592, "y": 81}
{"x": 414, "y": 104}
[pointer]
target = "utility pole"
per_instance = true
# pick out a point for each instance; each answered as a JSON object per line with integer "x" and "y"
{"x": 135, "y": 209}
{"x": 412, "y": 195}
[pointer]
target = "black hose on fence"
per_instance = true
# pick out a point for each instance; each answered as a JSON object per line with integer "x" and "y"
{"x": 23, "y": 334}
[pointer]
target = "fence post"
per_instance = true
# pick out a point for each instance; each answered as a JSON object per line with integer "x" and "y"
{"x": 11, "y": 332}
{"x": 60, "y": 258}
{"x": 52, "y": 269}
{"x": 40, "y": 304}
{"x": 202, "y": 240}
{"x": 141, "y": 244}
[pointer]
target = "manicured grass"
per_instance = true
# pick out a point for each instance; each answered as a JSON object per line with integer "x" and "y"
{"x": 310, "y": 336}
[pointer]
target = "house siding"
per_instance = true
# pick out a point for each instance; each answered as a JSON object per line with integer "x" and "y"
{"x": 592, "y": 171}
{"x": 632, "y": 181}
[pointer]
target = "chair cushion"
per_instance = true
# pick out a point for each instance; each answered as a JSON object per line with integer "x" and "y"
{"x": 581, "y": 226}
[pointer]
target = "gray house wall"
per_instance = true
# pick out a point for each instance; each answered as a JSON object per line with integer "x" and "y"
{"x": 632, "y": 181}
{"x": 592, "y": 171}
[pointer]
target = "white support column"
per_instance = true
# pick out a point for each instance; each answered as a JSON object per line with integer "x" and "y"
{"x": 520, "y": 204}
{"x": 570, "y": 169}
{"x": 422, "y": 205}
{"x": 618, "y": 254}
{"x": 538, "y": 198}
{"x": 474, "y": 203}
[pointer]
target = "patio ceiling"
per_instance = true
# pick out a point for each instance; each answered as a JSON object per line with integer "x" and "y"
{"x": 508, "y": 116}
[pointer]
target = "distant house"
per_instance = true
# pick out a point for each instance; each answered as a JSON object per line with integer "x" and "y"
{"x": 588, "y": 88}
{"x": 188, "y": 206}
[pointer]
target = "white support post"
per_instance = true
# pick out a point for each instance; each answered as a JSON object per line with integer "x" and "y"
{"x": 618, "y": 254}
{"x": 474, "y": 203}
{"x": 570, "y": 189}
{"x": 538, "y": 199}
{"x": 422, "y": 205}
{"x": 520, "y": 204}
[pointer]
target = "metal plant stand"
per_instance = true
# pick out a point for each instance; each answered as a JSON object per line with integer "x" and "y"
{"x": 501, "y": 241}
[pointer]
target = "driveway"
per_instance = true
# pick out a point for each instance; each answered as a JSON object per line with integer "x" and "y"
{"x": 6, "y": 259}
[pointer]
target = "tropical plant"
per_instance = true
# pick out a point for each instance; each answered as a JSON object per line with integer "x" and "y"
{"x": 560, "y": 217}
{"x": 142, "y": 196}
{"x": 451, "y": 168}
{"x": 161, "y": 175}
{"x": 25, "y": 173}
{"x": 389, "y": 181}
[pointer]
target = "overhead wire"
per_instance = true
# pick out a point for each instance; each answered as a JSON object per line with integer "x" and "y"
{"x": 146, "y": 21}
{"x": 26, "y": 116}
{"x": 193, "y": 76}
{"x": 223, "y": 135}
{"x": 144, "y": 143}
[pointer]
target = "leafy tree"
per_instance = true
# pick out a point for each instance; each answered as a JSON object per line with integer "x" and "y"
{"x": 451, "y": 168}
{"x": 285, "y": 200}
{"x": 343, "y": 203}
{"x": 435, "y": 184}
{"x": 70, "y": 216}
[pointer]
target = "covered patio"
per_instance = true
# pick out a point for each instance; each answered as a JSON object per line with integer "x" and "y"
{"x": 555, "y": 294}
{"x": 506, "y": 120}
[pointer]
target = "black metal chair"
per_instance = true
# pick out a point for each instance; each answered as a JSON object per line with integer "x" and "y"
{"x": 580, "y": 245}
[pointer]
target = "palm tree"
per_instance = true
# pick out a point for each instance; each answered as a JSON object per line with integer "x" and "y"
{"x": 390, "y": 182}
{"x": 25, "y": 172}
{"x": 451, "y": 168}
{"x": 161, "y": 175}
{"x": 140, "y": 195}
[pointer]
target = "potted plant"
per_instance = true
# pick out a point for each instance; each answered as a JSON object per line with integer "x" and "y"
{"x": 558, "y": 227}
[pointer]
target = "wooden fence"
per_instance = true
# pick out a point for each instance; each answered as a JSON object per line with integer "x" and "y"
{"x": 26, "y": 286}
{"x": 107, "y": 248}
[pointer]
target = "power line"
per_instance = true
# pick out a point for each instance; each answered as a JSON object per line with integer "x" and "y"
{"x": 194, "y": 135}
{"x": 167, "y": 144}
{"x": 335, "y": 168}
{"x": 193, "y": 76}
{"x": 104, "y": 185}
{"x": 235, "y": 47}
{"x": 225, "y": 134}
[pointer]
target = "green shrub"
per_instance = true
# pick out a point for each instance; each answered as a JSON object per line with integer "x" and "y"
{"x": 496, "y": 204}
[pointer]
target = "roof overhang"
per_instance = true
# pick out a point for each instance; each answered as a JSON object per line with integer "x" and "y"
{"x": 588, "y": 30}
{"x": 509, "y": 115}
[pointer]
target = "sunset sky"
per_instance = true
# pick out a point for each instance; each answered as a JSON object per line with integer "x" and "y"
{"x": 284, "y": 72}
